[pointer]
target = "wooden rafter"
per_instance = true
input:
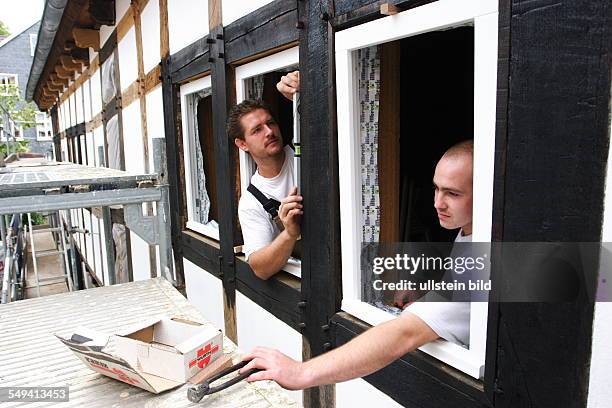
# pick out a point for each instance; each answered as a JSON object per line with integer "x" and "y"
{"x": 86, "y": 38}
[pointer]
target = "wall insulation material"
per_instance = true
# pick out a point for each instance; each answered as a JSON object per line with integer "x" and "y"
{"x": 187, "y": 23}
{"x": 155, "y": 121}
{"x": 112, "y": 138}
{"x": 150, "y": 35}
{"x": 234, "y": 9}
{"x": 78, "y": 103}
{"x": 128, "y": 60}
{"x": 205, "y": 292}
{"x": 109, "y": 80}
{"x": 141, "y": 266}
{"x": 96, "y": 93}
{"x": 132, "y": 138}
{"x": 258, "y": 327}
{"x": 87, "y": 100}
{"x": 360, "y": 393}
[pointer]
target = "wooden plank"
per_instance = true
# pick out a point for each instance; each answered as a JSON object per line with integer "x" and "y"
{"x": 214, "y": 14}
{"x": 85, "y": 38}
{"x": 152, "y": 79}
{"x": 94, "y": 123}
{"x": 553, "y": 156}
{"x": 389, "y": 142}
{"x": 164, "y": 35}
{"x": 141, "y": 85}
{"x": 124, "y": 25}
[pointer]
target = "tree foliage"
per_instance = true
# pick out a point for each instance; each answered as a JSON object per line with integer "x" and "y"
{"x": 4, "y": 30}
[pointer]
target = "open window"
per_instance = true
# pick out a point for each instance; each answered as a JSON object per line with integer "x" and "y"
{"x": 257, "y": 80}
{"x": 43, "y": 127}
{"x": 9, "y": 85}
{"x": 199, "y": 154}
{"x": 409, "y": 86}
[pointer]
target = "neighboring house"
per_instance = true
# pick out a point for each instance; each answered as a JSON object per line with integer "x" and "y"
{"x": 16, "y": 54}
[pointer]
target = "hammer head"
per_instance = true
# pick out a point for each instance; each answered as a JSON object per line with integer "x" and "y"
{"x": 197, "y": 392}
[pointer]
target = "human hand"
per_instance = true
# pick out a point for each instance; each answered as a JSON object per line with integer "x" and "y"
{"x": 289, "y": 84}
{"x": 290, "y": 213}
{"x": 276, "y": 366}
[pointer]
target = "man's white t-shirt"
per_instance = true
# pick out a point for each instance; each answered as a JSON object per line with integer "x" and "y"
{"x": 449, "y": 320}
{"x": 258, "y": 228}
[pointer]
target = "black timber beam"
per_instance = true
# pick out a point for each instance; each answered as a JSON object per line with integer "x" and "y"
{"x": 353, "y": 12}
{"x": 269, "y": 27}
{"x": 201, "y": 253}
{"x": 191, "y": 61}
{"x": 172, "y": 136}
{"x": 556, "y": 153}
{"x": 279, "y": 295}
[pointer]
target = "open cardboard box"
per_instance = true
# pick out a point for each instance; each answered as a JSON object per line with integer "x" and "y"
{"x": 156, "y": 355}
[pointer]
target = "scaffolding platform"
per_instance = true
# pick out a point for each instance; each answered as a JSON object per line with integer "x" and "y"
{"x": 30, "y": 354}
{"x": 39, "y": 185}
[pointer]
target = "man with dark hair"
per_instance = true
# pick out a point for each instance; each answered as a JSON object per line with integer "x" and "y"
{"x": 270, "y": 211}
{"x": 420, "y": 323}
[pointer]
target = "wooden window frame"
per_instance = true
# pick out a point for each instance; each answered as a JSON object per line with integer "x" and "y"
{"x": 261, "y": 66}
{"x": 189, "y": 154}
{"x": 443, "y": 14}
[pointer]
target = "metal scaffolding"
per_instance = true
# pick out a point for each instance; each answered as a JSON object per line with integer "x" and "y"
{"x": 40, "y": 186}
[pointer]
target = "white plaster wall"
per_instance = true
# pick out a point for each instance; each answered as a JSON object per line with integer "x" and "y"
{"x": 258, "y": 327}
{"x": 132, "y": 139}
{"x": 121, "y": 7}
{"x": 78, "y": 105}
{"x": 128, "y": 61}
{"x": 91, "y": 149}
{"x": 105, "y": 32}
{"x": 150, "y": 35}
{"x": 232, "y": 10}
{"x": 72, "y": 106}
{"x": 187, "y": 22}
{"x": 96, "y": 93}
{"x": 97, "y": 255}
{"x": 87, "y": 100}
{"x": 205, "y": 292}
{"x": 141, "y": 266}
{"x": 155, "y": 121}
{"x": 64, "y": 147}
{"x": 600, "y": 392}
{"x": 360, "y": 393}
{"x": 98, "y": 136}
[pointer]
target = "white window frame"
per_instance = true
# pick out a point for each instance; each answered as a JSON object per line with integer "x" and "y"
{"x": 189, "y": 154}
{"x": 261, "y": 66}
{"x": 442, "y": 14}
{"x": 2, "y": 85}
{"x": 33, "y": 41}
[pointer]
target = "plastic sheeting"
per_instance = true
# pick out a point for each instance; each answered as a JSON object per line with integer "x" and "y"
{"x": 109, "y": 80}
{"x": 114, "y": 143}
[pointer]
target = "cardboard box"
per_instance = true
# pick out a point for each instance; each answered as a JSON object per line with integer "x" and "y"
{"x": 155, "y": 355}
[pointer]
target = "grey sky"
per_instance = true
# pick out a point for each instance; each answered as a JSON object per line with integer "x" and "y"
{"x": 20, "y": 14}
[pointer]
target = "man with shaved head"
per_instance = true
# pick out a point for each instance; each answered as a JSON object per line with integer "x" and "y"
{"x": 419, "y": 323}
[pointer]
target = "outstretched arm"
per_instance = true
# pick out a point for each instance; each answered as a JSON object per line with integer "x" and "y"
{"x": 365, "y": 354}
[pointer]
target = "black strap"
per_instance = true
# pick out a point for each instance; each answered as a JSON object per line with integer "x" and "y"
{"x": 269, "y": 204}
